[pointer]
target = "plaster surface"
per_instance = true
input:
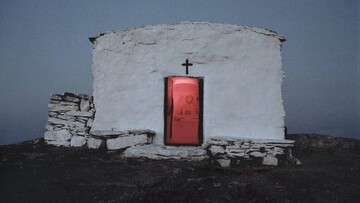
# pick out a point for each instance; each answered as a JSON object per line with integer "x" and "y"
{"x": 241, "y": 67}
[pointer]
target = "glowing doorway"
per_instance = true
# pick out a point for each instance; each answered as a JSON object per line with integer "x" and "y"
{"x": 183, "y": 110}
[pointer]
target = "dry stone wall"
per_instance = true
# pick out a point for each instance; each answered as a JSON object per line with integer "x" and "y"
{"x": 70, "y": 119}
{"x": 232, "y": 151}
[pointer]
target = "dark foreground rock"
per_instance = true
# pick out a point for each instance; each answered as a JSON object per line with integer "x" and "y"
{"x": 34, "y": 172}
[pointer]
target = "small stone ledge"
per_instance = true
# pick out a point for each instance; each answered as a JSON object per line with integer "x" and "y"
{"x": 234, "y": 151}
{"x": 158, "y": 152}
{"x": 119, "y": 140}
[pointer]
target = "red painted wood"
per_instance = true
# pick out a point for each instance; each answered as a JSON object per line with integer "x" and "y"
{"x": 182, "y": 110}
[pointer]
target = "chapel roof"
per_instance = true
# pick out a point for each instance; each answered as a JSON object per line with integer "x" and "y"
{"x": 255, "y": 29}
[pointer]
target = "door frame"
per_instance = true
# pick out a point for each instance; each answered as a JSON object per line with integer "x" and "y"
{"x": 201, "y": 110}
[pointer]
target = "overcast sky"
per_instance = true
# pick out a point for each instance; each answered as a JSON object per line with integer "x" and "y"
{"x": 45, "y": 48}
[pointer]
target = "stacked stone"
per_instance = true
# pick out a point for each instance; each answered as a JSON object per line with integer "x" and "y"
{"x": 118, "y": 140}
{"x": 224, "y": 150}
{"x": 70, "y": 119}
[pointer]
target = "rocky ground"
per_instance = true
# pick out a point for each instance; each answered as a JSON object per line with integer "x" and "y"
{"x": 34, "y": 172}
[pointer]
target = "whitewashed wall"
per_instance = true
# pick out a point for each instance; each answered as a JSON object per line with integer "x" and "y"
{"x": 241, "y": 67}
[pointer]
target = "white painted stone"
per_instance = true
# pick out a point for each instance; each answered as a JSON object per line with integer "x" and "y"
{"x": 64, "y": 117}
{"x": 70, "y": 97}
{"x": 90, "y": 122}
{"x": 94, "y": 143}
{"x": 154, "y": 151}
{"x": 78, "y": 141}
{"x": 55, "y": 97}
{"x": 50, "y": 135}
{"x": 216, "y": 150}
{"x": 53, "y": 114}
{"x": 234, "y": 150}
{"x": 270, "y": 161}
{"x": 129, "y": 67}
{"x": 257, "y": 154}
{"x": 218, "y": 142}
{"x": 225, "y": 163}
{"x": 84, "y": 105}
{"x": 79, "y": 113}
{"x": 62, "y": 108}
{"x": 64, "y": 122}
{"x": 124, "y": 142}
{"x": 49, "y": 127}
{"x": 233, "y": 155}
{"x": 62, "y": 135}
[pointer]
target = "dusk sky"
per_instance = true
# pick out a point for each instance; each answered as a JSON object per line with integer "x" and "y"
{"x": 45, "y": 49}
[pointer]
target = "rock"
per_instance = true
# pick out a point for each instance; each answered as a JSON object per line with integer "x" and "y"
{"x": 142, "y": 131}
{"x": 50, "y": 135}
{"x": 225, "y": 163}
{"x": 297, "y": 161}
{"x": 63, "y": 135}
{"x": 57, "y": 121}
{"x": 89, "y": 122}
{"x": 78, "y": 141}
{"x": 233, "y": 155}
{"x": 125, "y": 142}
{"x": 70, "y": 97}
{"x": 53, "y": 107}
{"x": 270, "y": 161}
{"x": 108, "y": 133}
{"x": 79, "y": 114}
{"x": 53, "y": 114}
{"x": 49, "y": 127}
{"x": 55, "y": 97}
{"x": 64, "y": 117}
{"x": 60, "y": 135}
{"x": 213, "y": 141}
{"x": 154, "y": 151}
{"x": 214, "y": 149}
{"x": 257, "y": 154}
{"x": 84, "y": 105}
{"x": 94, "y": 143}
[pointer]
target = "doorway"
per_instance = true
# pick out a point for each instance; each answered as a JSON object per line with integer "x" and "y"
{"x": 183, "y": 110}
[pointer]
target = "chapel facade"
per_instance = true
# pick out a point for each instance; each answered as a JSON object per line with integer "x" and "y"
{"x": 190, "y": 85}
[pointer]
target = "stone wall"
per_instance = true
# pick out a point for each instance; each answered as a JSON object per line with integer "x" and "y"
{"x": 232, "y": 151}
{"x": 70, "y": 119}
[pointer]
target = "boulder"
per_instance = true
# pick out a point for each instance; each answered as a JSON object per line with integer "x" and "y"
{"x": 270, "y": 161}
{"x": 60, "y": 135}
{"x": 257, "y": 154}
{"x": 215, "y": 150}
{"x": 78, "y": 141}
{"x": 94, "y": 143}
{"x": 50, "y": 135}
{"x": 84, "y": 105}
{"x": 225, "y": 163}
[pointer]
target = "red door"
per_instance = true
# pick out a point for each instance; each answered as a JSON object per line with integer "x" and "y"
{"x": 183, "y": 111}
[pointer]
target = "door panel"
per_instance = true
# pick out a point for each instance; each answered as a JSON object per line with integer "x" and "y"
{"x": 182, "y": 111}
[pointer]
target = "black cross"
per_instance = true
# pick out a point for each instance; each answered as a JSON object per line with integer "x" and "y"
{"x": 187, "y": 64}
